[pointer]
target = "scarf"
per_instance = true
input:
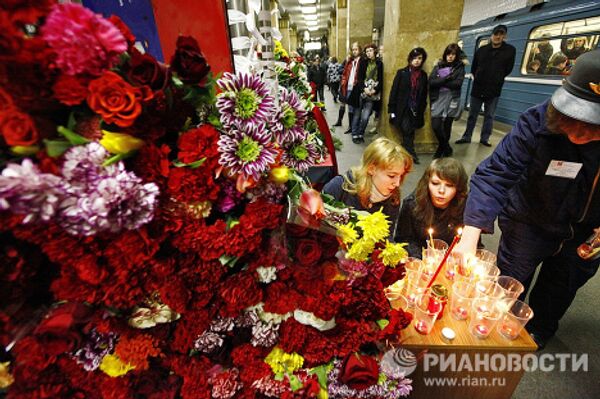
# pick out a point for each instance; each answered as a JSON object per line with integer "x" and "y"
{"x": 415, "y": 74}
{"x": 376, "y": 196}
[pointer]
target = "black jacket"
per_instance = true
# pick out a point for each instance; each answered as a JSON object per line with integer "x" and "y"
{"x": 490, "y": 67}
{"x": 398, "y": 101}
{"x": 413, "y": 231}
{"x": 317, "y": 74}
{"x": 453, "y": 81}
{"x": 359, "y": 83}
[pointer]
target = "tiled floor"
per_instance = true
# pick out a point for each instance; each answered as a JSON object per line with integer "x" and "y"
{"x": 579, "y": 328}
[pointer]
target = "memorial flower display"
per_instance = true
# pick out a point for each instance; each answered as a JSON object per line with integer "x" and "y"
{"x": 145, "y": 250}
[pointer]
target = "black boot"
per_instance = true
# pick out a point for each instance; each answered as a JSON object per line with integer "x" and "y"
{"x": 350, "y": 117}
{"x": 341, "y": 113}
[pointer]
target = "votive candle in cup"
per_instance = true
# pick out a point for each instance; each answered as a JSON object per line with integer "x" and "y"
{"x": 486, "y": 256}
{"x": 424, "y": 317}
{"x": 489, "y": 289}
{"x": 514, "y": 319}
{"x": 461, "y": 299}
{"x": 484, "y": 316}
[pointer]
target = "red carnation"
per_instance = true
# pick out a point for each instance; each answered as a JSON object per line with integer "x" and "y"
{"x": 199, "y": 143}
{"x": 359, "y": 371}
{"x": 144, "y": 70}
{"x": 239, "y": 292}
{"x": 70, "y": 90}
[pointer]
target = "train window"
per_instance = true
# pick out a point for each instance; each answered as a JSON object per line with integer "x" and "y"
{"x": 553, "y": 49}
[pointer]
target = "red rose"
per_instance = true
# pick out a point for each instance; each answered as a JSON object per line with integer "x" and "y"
{"x": 70, "y": 90}
{"x": 58, "y": 333}
{"x": 188, "y": 61}
{"x": 308, "y": 252}
{"x": 359, "y": 371}
{"x": 115, "y": 100}
{"x": 18, "y": 128}
{"x": 144, "y": 70}
{"x": 295, "y": 230}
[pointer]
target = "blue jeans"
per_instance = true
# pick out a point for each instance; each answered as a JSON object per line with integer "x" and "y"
{"x": 488, "y": 117}
{"x": 361, "y": 118}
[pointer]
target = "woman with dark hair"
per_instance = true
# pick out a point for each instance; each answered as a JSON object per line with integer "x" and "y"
{"x": 557, "y": 65}
{"x": 445, "y": 83}
{"x": 438, "y": 202}
{"x": 370, "y": 75}
{"x": 408, "y": 99}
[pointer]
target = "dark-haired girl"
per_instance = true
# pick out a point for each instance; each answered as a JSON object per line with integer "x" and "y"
{"x": 408, "y": 99}
{"x": 445, "y": 82}
{"x": 438, "y": 202}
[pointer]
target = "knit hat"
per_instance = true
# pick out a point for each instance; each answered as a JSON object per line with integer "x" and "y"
{"x": 579, "y": 96}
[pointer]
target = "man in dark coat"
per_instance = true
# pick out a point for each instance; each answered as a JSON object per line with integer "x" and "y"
{"x": 543, "y": 184}
{"x": 317, "y": 74}
{"x": 491, "y": 64}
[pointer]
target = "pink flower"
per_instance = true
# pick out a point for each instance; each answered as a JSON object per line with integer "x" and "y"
{"x": 84, "y": 42}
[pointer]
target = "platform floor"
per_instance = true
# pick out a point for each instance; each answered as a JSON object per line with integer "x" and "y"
{"x": 579, "y": 329}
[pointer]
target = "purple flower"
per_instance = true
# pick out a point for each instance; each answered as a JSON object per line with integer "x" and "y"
{"x": 229, "y": 197}
{"x": 288, "y": 121}
{"x": 95, "y": 348}
{"x": 244, "y": 100}
{"x": 265, "y": 334}
{"x": 299, "y": 154}
{"x": 208, "y": 342}
{"x": 103, "y": 198}
{"x": 268, "y": 190}
{"x": 247, "y": 150}
{"x": 26, "y": 191}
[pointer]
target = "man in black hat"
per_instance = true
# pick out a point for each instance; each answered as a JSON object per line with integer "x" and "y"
{"x": 491, "y": 64}
{"x": 542, "y": 182}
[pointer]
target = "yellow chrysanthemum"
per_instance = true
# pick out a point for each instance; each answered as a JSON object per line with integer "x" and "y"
{"x": 6, "y": 379}
{"x": 361, "y": 250}
{"x": 375, "y": 226}
{"x": 114, "y": 367}
{"x": 347, "y": 233}
{"x": 282, "y": 362}
{"x": 393, "y": 254}
{"x": 120, "y": 143}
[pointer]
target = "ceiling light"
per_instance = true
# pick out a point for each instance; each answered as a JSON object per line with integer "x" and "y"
{"x": 311, "y": 17}
{"x": 309, "y": 9}
{"x": 313, "y": 28}
{"x": 312, "y": 23}
{"x": 307, "y": 1}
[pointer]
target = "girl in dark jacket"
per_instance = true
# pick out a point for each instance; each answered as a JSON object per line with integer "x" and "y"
{"x": 438, "y": 203}
{"x": 408, "y": 99}
{"x": 370, "y": 75}
{"x": 445, "y": 82}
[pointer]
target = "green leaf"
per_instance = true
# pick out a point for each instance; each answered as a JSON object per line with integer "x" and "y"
{"x": 214, "y": 120}
{"x": 228, "y": 260}
{"x": 321, "y": 372}
{"x": 295, "y": 383}
{"x": 278, "y": 377}
{"x": 73, "y": 137}
{"x": 55, "y": 148}
{"x": 117, "y": 157}
{"x": 193, "y": 165}
{"x": 383, "y": 323}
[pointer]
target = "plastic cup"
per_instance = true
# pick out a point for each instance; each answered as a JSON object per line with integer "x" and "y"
{"x": 452, "y": 264}
{"x": 514, "y": 319}
{"x": 413, "y": 289}
{"x": 484, "y": 271}
{"x": 397, "y": 300}
{"x": 425, "y": 313}
{"x": 489, "y": 289}
{"x": 512, "y": 287}
{"x": 486, "y": 256}
{"x": 461, "y": 299}
{"x": 484, "y": 316}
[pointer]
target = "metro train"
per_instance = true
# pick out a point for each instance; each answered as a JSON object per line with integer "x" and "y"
{"x": 548, "y": 38}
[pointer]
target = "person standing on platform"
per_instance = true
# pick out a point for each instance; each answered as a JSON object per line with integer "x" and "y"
{"x": 376, "y": 182}
{"x": 445, "y": 82}
{"x": 371, "y": 73}
{"x": 408, "y": 99}
{"x": 334, "y": 75}
{"x": 317, "y": 75}
{"x": 438, "y": 203}
{"x": 491, "y": 64}
{"x": 349, "y": 84}
{"x": 542, "y": 182}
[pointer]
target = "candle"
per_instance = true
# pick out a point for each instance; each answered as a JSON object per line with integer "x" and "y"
{"x": 510, "y": 329}
{"x": 431, "y": 243}
{"x": 481, "y": 330}
{"x": 443, "y": 262}
{"x": 421, "y": 327}
{"x": 460, "y": 313}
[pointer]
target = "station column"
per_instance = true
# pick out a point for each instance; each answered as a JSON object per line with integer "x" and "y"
{"x": 409, "y": 24}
